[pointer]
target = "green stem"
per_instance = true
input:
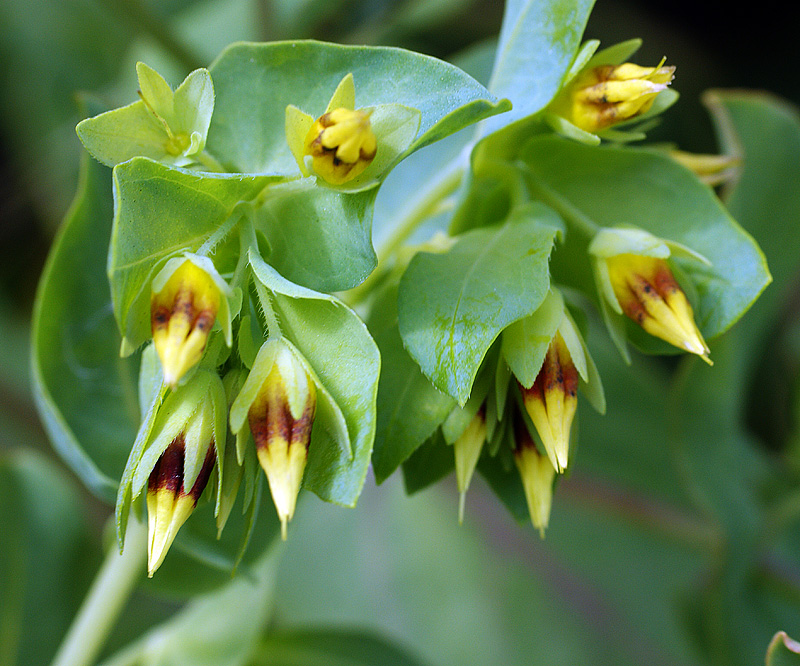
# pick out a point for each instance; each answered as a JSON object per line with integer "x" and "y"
{"x": 570, "y": 214}
{"x": 429, "y": 205}
{"x": 426, "y": 207}
{"x": 210, "y": 162}
{"x": 109, "y": 592}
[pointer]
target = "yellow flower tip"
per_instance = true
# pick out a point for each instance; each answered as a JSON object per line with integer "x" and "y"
{"x": 182, "y": 314}
{"x": 169, "y": 504}
{"x": 467, "y": 451}
{"x": 537, "y": 474}
{"x": 281, "y": 418}
{"x": 648, "y": 294}
{"x": 607, "y": 95}
{"x": 341, "y": 144}
{"x": 711, "y": 169}
{"x": 552, "y": 401}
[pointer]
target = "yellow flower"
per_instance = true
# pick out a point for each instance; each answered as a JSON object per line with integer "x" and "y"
{"x": 600, "y": 97}
{"x": 187, "y": 436}
{"x": 186, "y": 298}
{"x": 648, "y": 294}
{"x": 467, "y": 450}
{"x": 341, "y": 144}
{"x": 711, "y": 169}
{"x": 552, "y": 400}
{"x": 278, "y": 401}
{"x": 537, "y": 474}
{"x": 169, "y": 502}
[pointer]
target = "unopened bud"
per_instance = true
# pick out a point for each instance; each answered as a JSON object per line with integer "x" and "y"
{"x": 537, "y": 476}
{"x": 169, "y": 502}
{"x": 552, "y": 400}
{"x": 467, "y": 451}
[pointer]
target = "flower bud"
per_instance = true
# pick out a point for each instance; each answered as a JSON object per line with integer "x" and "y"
{"x": 552, "y": 400}
{"x": 186, "y": 297}
{"x": 537, "y": 476}
{"x": 342, "y": 144}
{"x": 182, "y": 449}
{"x": 648, "y": 294}
{"x": 600, "y": 97}
{"x": 169, "y": 501}
{"x": 278, "y": 401}
{"x": 467, "y": 451}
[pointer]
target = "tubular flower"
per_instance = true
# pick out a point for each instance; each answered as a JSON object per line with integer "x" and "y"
{"x": 552, "y": 400}
{"x": 188, "y": 434}
{"x": 278, "y": 401}
{"x": 648, "y": 294}
{"x": 186, "y": 298}
{"x": 467, "y": 450}
{"x": 169, "y": 501}
{"x": 342, "y": 144}
{"x": 537, "y": 476}
{"x": 603, "y": 96}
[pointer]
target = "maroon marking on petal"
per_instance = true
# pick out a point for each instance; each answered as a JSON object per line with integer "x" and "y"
{"x": 168, "y": 471}
{"x": 205, "y": 473}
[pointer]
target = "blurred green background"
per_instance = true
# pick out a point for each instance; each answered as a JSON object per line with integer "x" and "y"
{"x": 656, "y": 554}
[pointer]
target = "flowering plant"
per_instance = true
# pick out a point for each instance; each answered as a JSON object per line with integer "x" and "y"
{"x": 249, "y": 337}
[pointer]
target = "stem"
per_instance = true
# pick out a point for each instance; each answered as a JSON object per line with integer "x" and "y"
{"x": 109, "y": 592}
{"x": 569, "y": 213}
{"x": 209, "y": 162}
{"x": 429, "y": 205}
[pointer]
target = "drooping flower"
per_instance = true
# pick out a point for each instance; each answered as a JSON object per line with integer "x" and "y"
{"x": 187, "y": 296}
{"x": 536, "y": 473}
{"x": 602, "y": 96}
{"x": 169, "y": 501}
{"x": 188, "y": 436}
{"x": 648, "y": 293}
{"x": 278, "y": 402}
{"x": 552, "y": 400}
{"x": 467, "y": 451}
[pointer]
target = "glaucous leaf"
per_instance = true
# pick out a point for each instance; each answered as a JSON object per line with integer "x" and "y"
{"x": 783, "y": 651}
{"x": 453, "y": 305}
{"x": 538, "y": 42}
{"x": 159, "y": 213}
{"x": 340, "y": 350}
{"x": 86, "y": 393}
{"x": 410, "y": 408}
{"x": 618, "y": 187}
{"x": 269, "y": 77}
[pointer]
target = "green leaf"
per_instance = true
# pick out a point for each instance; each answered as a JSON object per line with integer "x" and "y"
{"x": 332, "y": 647}
{"x": 159, "y": 213}
{"x": 164, "y": 126}
{"x": 319, "y": 237}
{"x": 46, "y": 558}
{"x": 618, "y": 187}
{"x": 410, "y": 408}
{"x": 538, "y": 42}
{"x": 269, "y": 77}
{"x": 340, "y": 350}
{"x": 217, "y": 629}
{"x": 453, "y": 305}
{"x": 86, "y": 394}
